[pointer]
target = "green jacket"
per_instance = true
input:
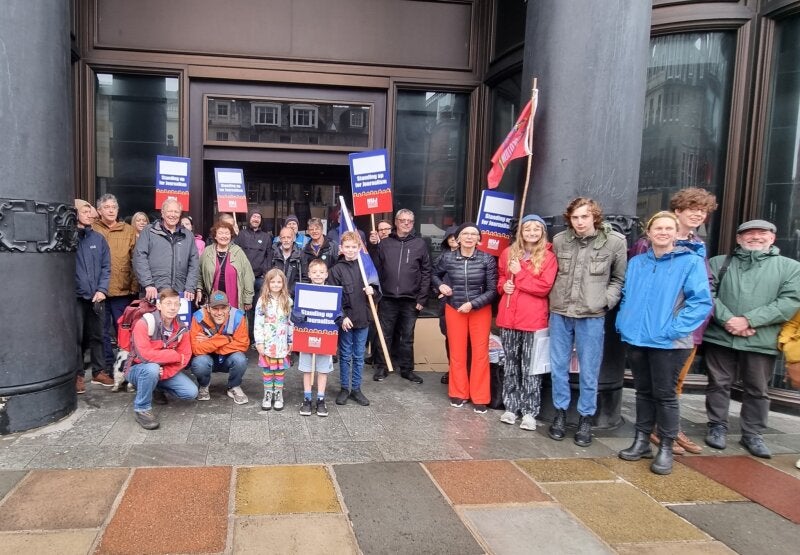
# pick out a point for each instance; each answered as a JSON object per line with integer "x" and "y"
{"x": 591, "y": 271}
{"x": 764, "y": 287}
{"x": 245, "y": 280}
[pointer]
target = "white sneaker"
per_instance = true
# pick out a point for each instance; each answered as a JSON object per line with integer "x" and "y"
{"x": 797, "y": 464}
{"x": 508, "y": 418}
{"x": 238, "y": 396}
{"x": 528, "y": 422}
{"x": 266, "y": 404}
{"x": 203, "y": 394}
{"x": 277, "y": 402}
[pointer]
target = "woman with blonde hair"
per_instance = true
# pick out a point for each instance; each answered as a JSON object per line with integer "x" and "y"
{"x": 139, "y": 221}
{"x": 271, "y": 330}
{"x": 527, "y": 270}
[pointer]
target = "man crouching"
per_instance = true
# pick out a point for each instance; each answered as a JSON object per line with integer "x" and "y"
{"x": 160, "y": 350}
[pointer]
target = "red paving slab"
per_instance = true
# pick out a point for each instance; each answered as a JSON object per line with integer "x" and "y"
{"x": 484, "y": 482}
{"x": 62, "y": 499}
{"x": 171, "y": 510}
{"x": 765, "y": 485}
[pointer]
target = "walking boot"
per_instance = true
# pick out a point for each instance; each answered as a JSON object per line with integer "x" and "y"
{"x": 556, "y": 430}
{"x": 662, "y": 464}
{"x": 583, "y": 437}
{"x": 640, "y": 449}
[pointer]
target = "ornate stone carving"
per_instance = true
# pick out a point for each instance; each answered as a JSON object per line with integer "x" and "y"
{"x": 33, "y": 226}
{"x": 623, "y": 224}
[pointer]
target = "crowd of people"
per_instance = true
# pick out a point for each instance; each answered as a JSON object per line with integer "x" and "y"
{"x": 671, "y": 299}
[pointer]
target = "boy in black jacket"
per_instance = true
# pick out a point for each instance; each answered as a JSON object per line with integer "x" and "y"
{"x": 355, "y": 325}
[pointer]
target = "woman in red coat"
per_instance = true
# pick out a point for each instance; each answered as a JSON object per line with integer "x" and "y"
{"x": 526, "y": 272}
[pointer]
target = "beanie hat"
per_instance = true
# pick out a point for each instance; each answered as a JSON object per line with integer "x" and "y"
{"x": 292, "y": 218}
{"x": 464, "y": 226}
{"x": 533, "y": 218}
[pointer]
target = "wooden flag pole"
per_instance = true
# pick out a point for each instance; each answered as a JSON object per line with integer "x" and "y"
{"x": 372, "y": 218}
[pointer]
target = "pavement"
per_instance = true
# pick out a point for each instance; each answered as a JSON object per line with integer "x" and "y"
{"x": 407, "y": 474}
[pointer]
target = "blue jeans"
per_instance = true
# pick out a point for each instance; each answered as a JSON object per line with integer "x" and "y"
{"x": 144, "y": 377}
{"x": 587, "y": 334}
{"x": 233, "y": 364}
{"x": 352, "y": 345}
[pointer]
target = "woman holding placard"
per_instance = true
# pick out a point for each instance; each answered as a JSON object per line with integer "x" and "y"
{"x": 527, "y": 270}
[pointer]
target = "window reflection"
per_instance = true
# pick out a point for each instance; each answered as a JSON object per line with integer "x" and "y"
{"x": 689, "y": 78}
{"x": 137, "y": 117}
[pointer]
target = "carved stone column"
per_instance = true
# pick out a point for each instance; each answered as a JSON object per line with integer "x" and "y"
{"x": 38, "y": 349}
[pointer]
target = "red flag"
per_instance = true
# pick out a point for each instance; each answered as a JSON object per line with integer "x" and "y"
{"x": 517, "y": 144}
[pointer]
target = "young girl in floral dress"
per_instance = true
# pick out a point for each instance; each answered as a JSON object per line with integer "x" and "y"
{"x": 272, "y": 336}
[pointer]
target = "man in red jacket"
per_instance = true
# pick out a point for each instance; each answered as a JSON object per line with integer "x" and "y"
{"x": 160, "y": 350}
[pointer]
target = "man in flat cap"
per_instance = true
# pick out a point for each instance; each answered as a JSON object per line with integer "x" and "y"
{"x": 756, "y": 291}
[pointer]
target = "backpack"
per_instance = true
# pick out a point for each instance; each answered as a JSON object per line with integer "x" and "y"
{"x": 132, "y": 314}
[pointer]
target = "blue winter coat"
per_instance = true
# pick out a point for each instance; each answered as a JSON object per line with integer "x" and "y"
{"x": 92, "y": 264}
{"x": 664, "y": 299}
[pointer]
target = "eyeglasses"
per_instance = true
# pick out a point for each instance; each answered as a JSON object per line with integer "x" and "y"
{"x": 405, "y": 220}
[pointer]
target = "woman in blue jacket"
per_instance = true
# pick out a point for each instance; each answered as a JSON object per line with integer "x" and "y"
{"x": 665, "y": 298}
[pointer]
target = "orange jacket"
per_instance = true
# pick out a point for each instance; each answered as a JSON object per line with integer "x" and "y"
{"x": 208, "y": 338}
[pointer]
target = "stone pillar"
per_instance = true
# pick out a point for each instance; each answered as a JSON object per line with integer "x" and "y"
{"x": 590, "y": 59}
{"x": 37, "y": 221}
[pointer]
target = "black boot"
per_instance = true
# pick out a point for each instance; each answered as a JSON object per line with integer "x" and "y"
{"x": 662, "y": 464}
{"x": 583, "y": 437}
{"x": 556, "y": 430}
{"x": 640, "y": 449}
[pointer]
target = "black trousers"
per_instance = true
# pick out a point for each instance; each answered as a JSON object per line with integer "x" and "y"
{"x": 398, "y": 318}
{"x": 90, "y": 336}
{"x": 655, "y": 375}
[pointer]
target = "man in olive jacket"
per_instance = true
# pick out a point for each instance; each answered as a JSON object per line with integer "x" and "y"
{"x": 757, "y": 290}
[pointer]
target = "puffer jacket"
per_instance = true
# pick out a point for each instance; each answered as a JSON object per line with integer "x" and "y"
{"x": 245, "y": 281}
{"x": 162, "y": 259}
{"x": 292, "y": 266}
{"x": 527, "y": 308}
{"x": 92, "y": 264}
{"x": 404, "y": 267}
{"x": 591, "y": 271}
{"x": 257, "y": 246}
{"x": 664, "y": 300}
{"x": 764, "y": 287}
{"x": 355, "y": 304}
{"x": 121, "y": 239}
{"x": 473, "y": 279}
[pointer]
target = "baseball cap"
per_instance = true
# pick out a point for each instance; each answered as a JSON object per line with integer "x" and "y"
{"x": 218, "y": 298}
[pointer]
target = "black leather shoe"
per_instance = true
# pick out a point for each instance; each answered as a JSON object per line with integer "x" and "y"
{"x": 380, "y": 374}
{"x": 640, "y": 449}
{"x": 342, "y": 397}
{"x": 411, "y": 376}
{"x": 445, "y": 379}
{"x": 583, "y": 437}
{"x": 662, "y": 464}
{"x": 556, "y": 430}
{"x": 716, "y": 436}
{"x": 359, "y": 397}
{"x": 755, "y": 446}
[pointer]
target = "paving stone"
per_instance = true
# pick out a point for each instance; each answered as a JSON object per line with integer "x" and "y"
{"x": 158, "y": 498}
{"x": 744, "y": 527}
{"x": 285, "y": 490}
{"x": 17, "y": 456}
{"x": 785, "y": 463}
{"x": 329, "y": 428}
{"x": 294, "y": 534}
{"x": 124, "y": 431}
{"x": 755, "y": 480}
{"x": 566, "y": 470}
{"x": 484, "y": 482}
{"x": 9, "y": 479}
{"x": 619, "y": 513}
{"x": 337, "y": 452}
{"x": 373, "y": 494}
{"x": 684, "y": 485}
{"x": 421, "y": 450}
{"x": 249, "y": 431}
{"x": 167, "y": 455}
{"x": 670, "y": 548}
{"x": 501, "y": 449}
{"x": 62, "y": 499}
{"x": 789, "y": 442}
{"x": 288, "y": 425}
{"x": 274, "y": 452}
{"x": 174, "y": 427}
{"x": 66, "y": 542}
{"x": 567, "y": 448}
{"x": 514, "y": 531}
{"x": 362, "y": 424}
{"x": 80, "y": 456}
{"x": 210, "y": 428}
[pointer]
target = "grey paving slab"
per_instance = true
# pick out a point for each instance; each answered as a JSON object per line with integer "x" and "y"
{"x": 502, "y": 448}
{"x": 421, "y": 449}
{"x": 9, "y": 479}
{"x": 92, "y": 427}
{"x": 514, "y": 530}
{"x": 396, "y": 509}
{"x": 14, "y": 456}
{"x": 167, "y": 455}
{"x": 210, "y": 428}
{"x": 744, "y": 527}
{"x": 566, "y": 448}
{"x": 274, "y": 452}
{"x": 362, "y": 424}
{"x": 788, "y": 442}
{"x": 288, "y": 425}
{"x": 327, "y": 428}
{"x": 337, "y": 452}
{"x": 124, "y": 431}
{"x": 80, "y": 456}
{"x": 173, "y": 428}
{"x": 249, "y": 431}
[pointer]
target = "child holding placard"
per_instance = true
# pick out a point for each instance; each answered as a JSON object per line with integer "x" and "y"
{"x": 271, "y": 330}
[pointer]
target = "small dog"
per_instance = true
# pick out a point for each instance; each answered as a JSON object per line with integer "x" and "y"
{"x": 119, "y": 371}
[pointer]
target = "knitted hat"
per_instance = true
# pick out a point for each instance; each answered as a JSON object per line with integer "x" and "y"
{"x": 292, "y": 218}
{"x": 533, "y": 218}
{"x": 464, "y": 226}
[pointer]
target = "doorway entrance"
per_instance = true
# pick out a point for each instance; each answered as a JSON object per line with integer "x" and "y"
{"x": 277, "y": 190}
